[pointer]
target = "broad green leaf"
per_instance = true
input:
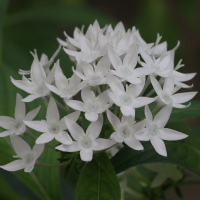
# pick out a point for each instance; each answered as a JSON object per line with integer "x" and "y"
{"x": 44, "y": 182}
{"x": 3, "y": 8}
{"x": 98, "y": 180}
{"x": 192, "y": 111}
{"x": 184, "y": 153}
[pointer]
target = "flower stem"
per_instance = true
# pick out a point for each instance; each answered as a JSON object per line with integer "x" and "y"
{"x": 28, "y": 133}
{"x": 38, "y": 163}
{"x": 146, "y": 85}
{"x": 44, "y": 99}
{"x": 150, "y": 93}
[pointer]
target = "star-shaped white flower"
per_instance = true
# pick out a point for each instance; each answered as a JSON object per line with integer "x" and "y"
{"x": 167, "y": 96}
{"x": 94, "y": 74}
{"x": 127, "y": 100}
{"x": 87, "y": 142}
{"x": 158, "y": 65}
{"x": 44, "y": 61}
{"x": 125, "y": 130}
{"x": 155, "y": 131}
{"x": 126, "y": 70}
{"x": 16, "y": 126}
{"x": 27, "y": 156}
{"x": 53, "y": 127}
{"x": 66, "y": 88}
{"x": 36, "y": 84}
{"x": 91, "y": 105}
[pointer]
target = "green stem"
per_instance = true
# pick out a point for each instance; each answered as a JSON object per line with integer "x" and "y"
{"x": 38, "y": 163}
{"x": 44, "y": 99}
{"x": 150, "y": 93}
{"x": 66, "y": 109}
{"x": 28, "y": 133}
{"x": 146, "y": 85}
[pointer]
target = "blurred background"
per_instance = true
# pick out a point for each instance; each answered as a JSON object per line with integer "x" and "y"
{"x": 35, "y": 24}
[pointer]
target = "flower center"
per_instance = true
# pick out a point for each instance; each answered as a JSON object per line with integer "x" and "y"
{"x": 42, "y": 91}
{"x": 166, "y": 98}
{"x": 126, "y": 99}
{"x": 86, "y": 142}
{"x": 125, "y": 133}
{"x": 125, "y": 71}
{"x": 93, "y": 107}
{"x": 18, "y": 125}
{"x": 28, "y": 158}
{"x": 153, "y": 130}
{"x": 95, "y": 79}
{"x": 53, "y": 129}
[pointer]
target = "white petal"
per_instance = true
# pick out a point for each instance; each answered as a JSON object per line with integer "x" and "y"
{"x": 163, "y": 115}
{"x": 74, "y": 116}
{"x": 69, "y": 148}
{"x": 103, "y": 65}
{"x": 7, "y": 122}
{"x": 130, "y": 58}
{"x": 52, "y": 88}
{"x": 86, "y": 94}
{"x": 159, "y": 146}
{"x": 142, "y": 135}
{"x": 115, "y": 84}
{"x": 84, "y": 44}
{"x": 38, "y": 149}
{"x": 29, "y": 168}
{"x": 146, "y": 57}
{"x": 6, "y": 133}
{"x": 169, "y": 134}
{"x": 51, "y": 74}
{"x": 101, "y": 144}
{"x": 115, "y": 136}
{"x": 64, "y": 138}
{"x": 103, "y": 97}
{"x": 148, "y": 114}
{"x": 19, "y": 145}
{"x": 44, "y": 138}
{"x": 114, "y": 98}
{"x": 73, "y": 53}
{"x": 134, "y": 80}
{"x": 86, "y": 155}
{"x": 13, "y": 166}
{"x": 40, "y": 126}
{"x": 30, "y": 98}
{"x": 156, "y": 85}
{"x": 32, "y": 114}
{"x": 80, "y": 75}
{"x": 53, "y": 115}
{"x": 91, "y": 116}
{"x": 87, "y": 68}
{"x": 114, "y": 58}
{"x": 177, "y": 105}
{"x": 75, "y": 130}
{"x": 127, "y": 111}
{"x": 134, "y": 143}
{"x": 142, "y": 101}
{"x": 24, "y": 85}
{"x": 139, "y": 126}
{"x": 76, "y": 105}
{"x": 20, "y": 109}
{"x": 94, "y": 128}
{"x": 113, "y": 119}
{"x": 169, "y": 85}
{"x": 183, "y": 97}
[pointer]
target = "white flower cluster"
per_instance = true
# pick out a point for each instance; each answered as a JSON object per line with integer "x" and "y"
{"x": 114, "y": 69}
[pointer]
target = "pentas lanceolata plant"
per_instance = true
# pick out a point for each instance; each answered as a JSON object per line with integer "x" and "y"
{"x": 116, "y": 72}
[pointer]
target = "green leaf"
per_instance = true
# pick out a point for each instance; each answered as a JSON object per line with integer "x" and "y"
{"x": 98, "y": 180}
{"x": 44, "y": 182}
{"x": 184, "y": 153}
{"x": 3, "y": 8}
{"x": 192, "y": 111}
